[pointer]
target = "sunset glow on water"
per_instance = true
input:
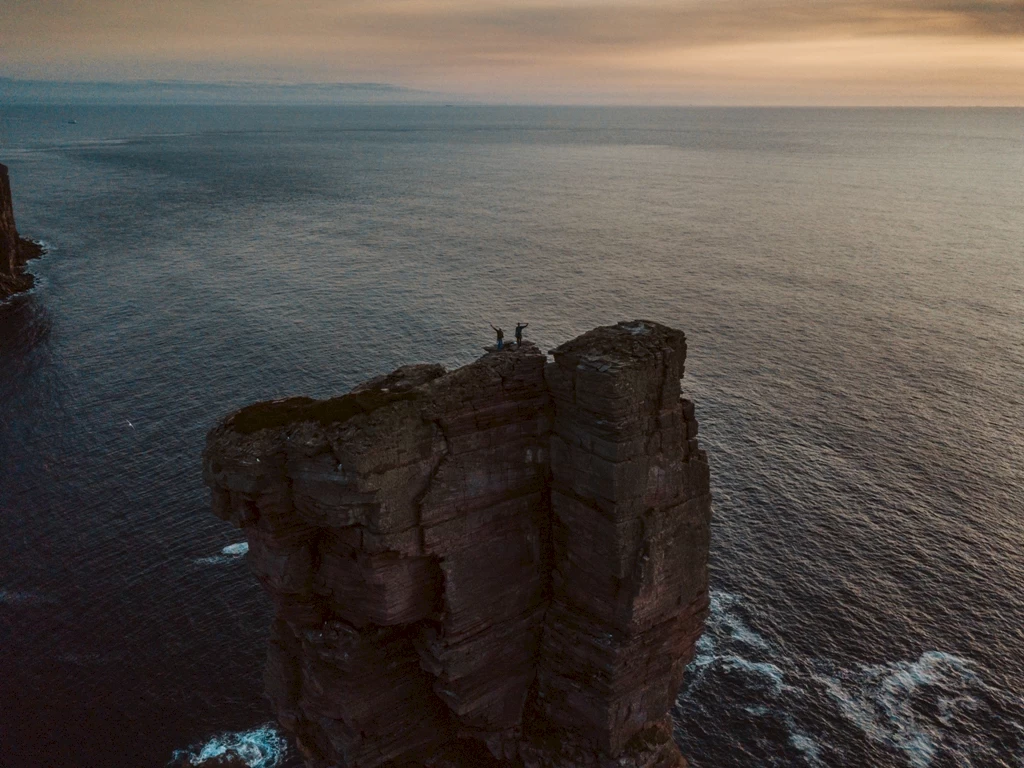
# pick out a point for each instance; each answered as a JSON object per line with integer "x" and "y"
{"x": 850, "y": 286}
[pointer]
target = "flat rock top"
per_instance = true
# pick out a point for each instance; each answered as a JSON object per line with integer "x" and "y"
{"x": 261, "y": 429}
{"x": 623, "y": 344}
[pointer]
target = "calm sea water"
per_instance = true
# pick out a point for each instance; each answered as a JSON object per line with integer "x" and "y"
{"x": 852, "y": 286}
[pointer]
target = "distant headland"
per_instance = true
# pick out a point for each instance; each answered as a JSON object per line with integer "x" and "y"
{"x": 15, "y": 251}
{"x": 152, "y": 92}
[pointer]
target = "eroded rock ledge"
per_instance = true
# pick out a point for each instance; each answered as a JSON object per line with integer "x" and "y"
{"x": 504, "y": 565}
{"x": 15, "y": 251}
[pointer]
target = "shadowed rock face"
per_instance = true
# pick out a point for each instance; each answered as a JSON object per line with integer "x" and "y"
{"x": 501, "y": 565}
{"x": 8, "y": 232}
{"x": 14, "y": 250}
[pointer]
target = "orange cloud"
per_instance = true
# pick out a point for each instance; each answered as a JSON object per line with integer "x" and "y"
{"x": 765, "y": 51}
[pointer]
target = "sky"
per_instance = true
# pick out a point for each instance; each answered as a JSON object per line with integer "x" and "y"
{"x": 842, "y": 52}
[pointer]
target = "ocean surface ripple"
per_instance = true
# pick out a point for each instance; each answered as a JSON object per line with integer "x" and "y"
{"x": 851, "y": 285}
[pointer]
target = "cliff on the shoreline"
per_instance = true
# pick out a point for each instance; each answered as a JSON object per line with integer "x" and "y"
{"x": 15, "y": 251}
{"x": 504, "y": 565}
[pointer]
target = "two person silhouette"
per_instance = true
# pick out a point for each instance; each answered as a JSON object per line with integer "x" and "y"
{"x": 501, "y": 335}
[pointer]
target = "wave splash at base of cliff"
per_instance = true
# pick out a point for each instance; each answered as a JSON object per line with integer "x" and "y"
{"x": 793, "y": 710}
{"x": 227, "y": 554}
{"x": 262, "y": 747}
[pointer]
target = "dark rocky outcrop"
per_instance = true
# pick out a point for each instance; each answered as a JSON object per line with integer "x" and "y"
{"x": 501, "y": 565}
{"x": 15, "y": 251}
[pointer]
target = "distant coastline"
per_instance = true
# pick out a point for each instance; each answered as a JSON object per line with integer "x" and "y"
{"x": 14, "y": 91}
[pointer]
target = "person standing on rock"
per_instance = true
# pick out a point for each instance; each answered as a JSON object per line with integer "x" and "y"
{"x": 519, "y": 333}
{"x": 501, "y": 336}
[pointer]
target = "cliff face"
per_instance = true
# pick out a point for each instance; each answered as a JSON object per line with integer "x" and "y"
{"x": 501, "y": 565}
{"x": 14, "y": 250}
{"x": 8, "y": 232}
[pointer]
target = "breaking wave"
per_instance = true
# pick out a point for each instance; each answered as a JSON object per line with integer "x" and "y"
{"x": 236, "y": 550}
{"x": 934, "y": 711}
{"x": 923, "y": 709}
{"x": 262, "y": 747}
{"x": 227, "y": 554}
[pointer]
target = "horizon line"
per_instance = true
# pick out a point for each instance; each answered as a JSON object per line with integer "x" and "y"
{"x": 391, "y": 94}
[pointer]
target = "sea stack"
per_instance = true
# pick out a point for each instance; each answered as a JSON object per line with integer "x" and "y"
{"x": 15, "y": 251}
{"x": 501, "y": 565}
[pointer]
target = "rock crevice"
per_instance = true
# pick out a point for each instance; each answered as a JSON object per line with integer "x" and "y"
{"x": 502, "y": 565}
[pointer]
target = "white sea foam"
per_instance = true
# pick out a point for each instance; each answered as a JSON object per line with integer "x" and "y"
{"x": 917, "y": 708}
{"x": 722, "y": 604}
{"x": 46, "y": 245}
{"x": 36, "y": 285}
{"x": 879, "y": 700}
{"x": 762, "y": 669}
{"x": 726, "y": 646}
{"x": 262, "y": 747}
{"x": 227, "y": 554}
{"x": 808, "y": 747}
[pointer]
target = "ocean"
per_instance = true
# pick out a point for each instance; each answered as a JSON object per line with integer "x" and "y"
{"x": 851, "y": 283}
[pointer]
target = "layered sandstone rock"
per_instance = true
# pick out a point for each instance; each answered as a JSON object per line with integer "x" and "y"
{"x": 501, "y": 565}
{"x": 15, "y": 251}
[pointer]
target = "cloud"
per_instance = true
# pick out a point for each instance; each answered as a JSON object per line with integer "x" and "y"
{"x": 470, "y": 23}
{"x": 481, "y": 44}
